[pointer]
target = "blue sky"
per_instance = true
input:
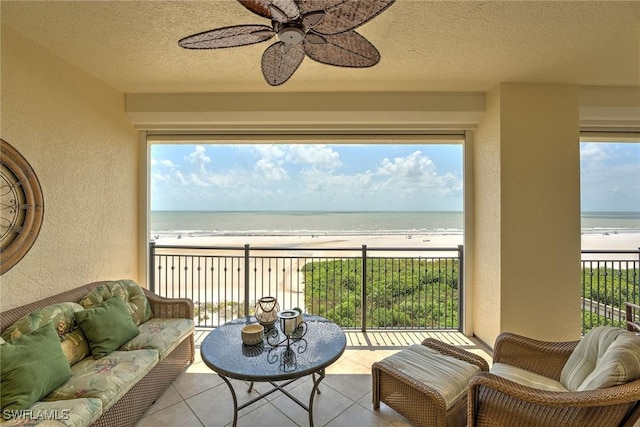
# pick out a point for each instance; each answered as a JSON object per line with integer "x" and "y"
{"x": 610, "y": 176}
{"x": 356, "y": 177}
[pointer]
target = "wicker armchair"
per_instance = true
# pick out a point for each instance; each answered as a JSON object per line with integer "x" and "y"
{"x": 496, "y": 401}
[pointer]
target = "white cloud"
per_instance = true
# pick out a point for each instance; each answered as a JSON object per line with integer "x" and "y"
{"x": 163, "y": 162}
{"x": 272, "y": 171}
{"x": 168, "y": 163}
{"x": 193, "y": 179}
{"x": 157, "y": 176}
{"x": 270, "y": 151}
{"x": 223, "y": 180}
{"x": 180, "y": 176}
{"x": 318, "y": 155}
{"x": 199, "y": 159}
{"x": 594, "y": 152}
{"x": 416, "y": 176}
{"x": 318, "y": 180}
{"x": 414, "y": 167}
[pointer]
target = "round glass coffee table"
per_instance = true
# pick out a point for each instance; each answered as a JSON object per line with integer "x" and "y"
{"x": 320, "y": 346}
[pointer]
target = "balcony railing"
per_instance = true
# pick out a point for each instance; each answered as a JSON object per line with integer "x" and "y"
{"x": 358, "y": 288}
{"x": 609, "y": 279}
{"x": 362, "y": 288}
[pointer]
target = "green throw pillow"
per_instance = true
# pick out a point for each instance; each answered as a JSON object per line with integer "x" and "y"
{"x": 32, "y": 366}
{"x": 107, "y": 326}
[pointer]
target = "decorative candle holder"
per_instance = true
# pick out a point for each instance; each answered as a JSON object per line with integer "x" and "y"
{"x": 266, "y": 311}
{"x": 290, "y": 326}
{"x": 288, "y": 321}
{"x": 299, "y": 318}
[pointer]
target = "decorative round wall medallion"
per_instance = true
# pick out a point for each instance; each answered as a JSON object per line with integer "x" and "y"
{"x": 21, "y": 206}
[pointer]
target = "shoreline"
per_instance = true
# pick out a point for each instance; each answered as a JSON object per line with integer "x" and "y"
{"x": 589, "y": 241}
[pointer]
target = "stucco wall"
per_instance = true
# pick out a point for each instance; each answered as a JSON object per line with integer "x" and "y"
{"x": 540, "y": 210}
{"x": 487, "y": 184}
{"x": 73, "y": 131}
{"x": 527, "y": 213}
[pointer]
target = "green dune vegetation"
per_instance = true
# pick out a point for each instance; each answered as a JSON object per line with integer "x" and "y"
{"x": 604, "y": 292}
{"x": 399, "y": 292}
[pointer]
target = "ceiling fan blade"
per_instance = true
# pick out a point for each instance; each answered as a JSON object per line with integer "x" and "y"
{"x": 344, "y": 15}
{"x": 314, "y": 38}
{"x": 307, "y": 6}
{"x": 311, "y": 19}
{"x": 348, "y": 49}
{"x": 262, "y": 8}
{"x": 238, "y": 35}
{"x": 278, "y": 65}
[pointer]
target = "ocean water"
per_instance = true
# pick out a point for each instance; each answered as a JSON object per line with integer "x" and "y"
{"x": 207, "y": 223}
{"x": 610, "y": 222}
{"x": 247, "y": 223}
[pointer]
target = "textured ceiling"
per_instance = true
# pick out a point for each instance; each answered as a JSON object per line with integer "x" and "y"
{"x": 425, "y": 45}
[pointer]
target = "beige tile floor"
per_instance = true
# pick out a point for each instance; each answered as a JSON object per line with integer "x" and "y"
{"x": 198, "y": 397}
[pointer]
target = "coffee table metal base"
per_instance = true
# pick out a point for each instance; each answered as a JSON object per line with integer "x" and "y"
{"x": 277, "y": 387}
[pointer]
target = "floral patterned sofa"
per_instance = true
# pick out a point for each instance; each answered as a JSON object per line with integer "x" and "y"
{"x": 99, "y": 355}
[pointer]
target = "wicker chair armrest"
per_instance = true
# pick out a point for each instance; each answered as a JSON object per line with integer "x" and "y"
{"x": 412, "y": 382}
{"x": 630, "y": 316}
{"x": 175, "y": 308}
{"x": 632, "y": 305}
{"x": 458, "y": 353}
{"x": 541, "y": 357}
{"x": 626, "y": 393}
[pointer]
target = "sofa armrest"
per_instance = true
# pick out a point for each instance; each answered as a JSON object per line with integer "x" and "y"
{"x": 541, "y": 357}
{"x": 176, "y": 308}
{"x": 458, "y": 353}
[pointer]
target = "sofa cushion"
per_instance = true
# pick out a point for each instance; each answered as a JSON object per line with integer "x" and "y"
{"x": 161, "y": 334}
{"x": 61, "y": 315}
{"x": 74, "y": 344}
{"x": 107, "y": 326}
{"x": 445, "y": 374}
{"x": 31, "y": 365}
{"x": 526, "y": 378}
{"x": 108, "y": 378}
{"x": 584, "y": 358}
{"x": 64, "y": 413}
{"x": 619, "y": 364}
{"x": 129, "y": 291}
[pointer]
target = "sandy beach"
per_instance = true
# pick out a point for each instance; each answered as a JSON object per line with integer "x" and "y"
{"x": 320, "y": 244}
{"x": 216, "y": 276}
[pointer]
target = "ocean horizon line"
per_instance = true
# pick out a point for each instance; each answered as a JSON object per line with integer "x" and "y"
{"x": 271, "y": 211}
{"x": 358, "y": 211}
{"x": 346, "y": 223}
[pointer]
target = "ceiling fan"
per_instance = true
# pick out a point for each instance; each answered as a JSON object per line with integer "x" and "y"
{"x": 323, "y": 30}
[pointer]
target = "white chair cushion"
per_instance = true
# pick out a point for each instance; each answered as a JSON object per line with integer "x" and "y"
{"x": 583, "y": 360}
{"x": 526, "y": 378}
{"x": 620, "y": 364}
{"x": 605, "y": 357}
{"x": 447, "y": 375}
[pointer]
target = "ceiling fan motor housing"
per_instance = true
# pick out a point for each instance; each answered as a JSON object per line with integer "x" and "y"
{"x": 291, "y": 34}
